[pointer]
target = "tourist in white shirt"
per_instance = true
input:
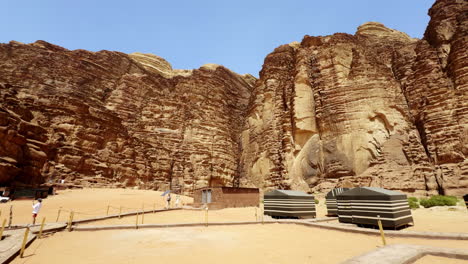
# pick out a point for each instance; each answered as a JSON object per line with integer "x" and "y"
{"x": 36, "y": 208}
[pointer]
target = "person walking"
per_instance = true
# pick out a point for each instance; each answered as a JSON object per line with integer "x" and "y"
{"x": 177, "y": 201}
{"x": 168, "y": 200}
{"x": 36, "y": 208}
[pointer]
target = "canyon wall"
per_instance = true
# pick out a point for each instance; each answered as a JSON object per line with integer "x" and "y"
{"x": 112, "y": 119}
{"x": 377, "y": 108}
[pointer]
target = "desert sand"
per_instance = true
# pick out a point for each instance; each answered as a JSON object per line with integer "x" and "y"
{"x": 430, "y": 220}
{"x": 440, "y": 219}
{"x": 274, "y": 243}
{"x": 86, "y": 203}
{"x": 434, "y": 259}
{"x": 89, "y": 203}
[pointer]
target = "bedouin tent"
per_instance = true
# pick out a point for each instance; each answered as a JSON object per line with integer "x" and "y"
{"x": 285, "y": 203}
{"x": 332, "y": 206}
{"x": 466, "y": 200}
{"x": 363, "y": 205}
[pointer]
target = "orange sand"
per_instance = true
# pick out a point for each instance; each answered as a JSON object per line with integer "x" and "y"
{"x": 276, "y": 243}
{"x": 93, "y": 202}
{"x": 86, "y": 202}
{"x": 440, "y": 219}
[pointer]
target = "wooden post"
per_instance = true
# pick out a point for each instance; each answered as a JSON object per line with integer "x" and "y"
{"x": 3, "y": 228}
{"x": 142, "y": 217}
{"x": 58, "y": 214}
{"x": 120, "y": 212}
{"x": 136, "y": 224}
{"x": 206, "y": 216}
{"x": 107, "y": 213}
{"x": 25, "y": 239}
{"x": 70, "y": 221}
{"x": 42, "y": 227}
{"x": 10, "y": 221}
{"x": 381, "y": 231}
{"x": 263, "y": 212}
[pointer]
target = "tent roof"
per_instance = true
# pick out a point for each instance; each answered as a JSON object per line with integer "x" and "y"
{"x": 287, "y": 193}
{"x": 334, "y": 192}
{"x": 370, "y": 191}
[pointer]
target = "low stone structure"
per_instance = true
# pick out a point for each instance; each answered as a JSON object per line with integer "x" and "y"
{"x": 224, "y": 197}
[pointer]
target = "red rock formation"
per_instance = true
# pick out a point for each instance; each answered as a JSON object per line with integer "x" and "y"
{"x": 377, "y": 108}
{"x": 108, "y": 118}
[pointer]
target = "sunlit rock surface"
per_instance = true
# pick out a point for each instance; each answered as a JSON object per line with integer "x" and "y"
{"x": 377, "y": 108}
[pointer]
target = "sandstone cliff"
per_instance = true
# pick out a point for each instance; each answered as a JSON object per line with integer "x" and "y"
{"x": 113, "y": 119}
{"x": 376, "y": 108}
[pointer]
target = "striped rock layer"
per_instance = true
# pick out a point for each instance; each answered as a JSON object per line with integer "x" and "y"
{"x": 118, "y": 120}
{"x": 376, "y": 108}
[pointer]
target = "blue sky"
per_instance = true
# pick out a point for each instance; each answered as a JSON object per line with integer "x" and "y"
{"x": 237, "y": 34}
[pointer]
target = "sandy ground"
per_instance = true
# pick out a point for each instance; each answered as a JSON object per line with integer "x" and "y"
{"x": 89, "y": 203}
{"x": 274, "y": 243}
{"x": 440, "y": 219}
{"x": 433, "y": 259}
{"x": 430, "y": 220}
{"x": 86, "y": 203}
{"x": 194, "y": 216}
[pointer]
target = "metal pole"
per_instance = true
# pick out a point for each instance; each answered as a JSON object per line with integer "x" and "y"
{"x": 25, "y": 239}
{"x": 381, "y": 231}
{"x": 42, "y": 227}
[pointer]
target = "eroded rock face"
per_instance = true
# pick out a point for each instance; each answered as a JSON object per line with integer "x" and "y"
{"x": 111, "y": 119}
{"x": 377, "y": 108}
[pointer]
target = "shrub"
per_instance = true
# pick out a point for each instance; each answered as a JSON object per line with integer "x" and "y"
{"x": 439, "y": 200}
{"x": 316, "y": 201}
{"x": 413, "y": 202}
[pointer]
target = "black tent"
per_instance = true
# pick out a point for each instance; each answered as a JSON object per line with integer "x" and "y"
{"x": 363, "y": 205}
{"x": 284, "y": 203}
{"x": 466, "y": 200}
{"x": 332, "y": 206}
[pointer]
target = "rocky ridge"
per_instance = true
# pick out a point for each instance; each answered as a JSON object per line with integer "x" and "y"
{"x": 377, "y": 108}
{"x": 112, "y": 119}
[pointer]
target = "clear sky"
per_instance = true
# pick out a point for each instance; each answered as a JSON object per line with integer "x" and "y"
{"x": 189, "y": 33}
